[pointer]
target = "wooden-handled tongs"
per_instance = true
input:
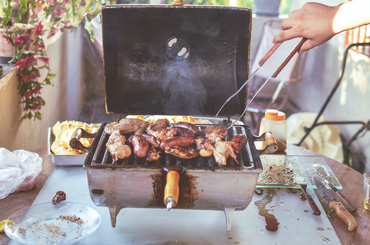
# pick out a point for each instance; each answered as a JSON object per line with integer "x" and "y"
{"x": 260, "y": 63}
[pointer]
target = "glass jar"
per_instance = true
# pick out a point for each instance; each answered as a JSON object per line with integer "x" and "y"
{"x": 274, "y": 122}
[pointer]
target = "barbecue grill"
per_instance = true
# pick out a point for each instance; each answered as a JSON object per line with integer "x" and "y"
{"x": 174, "y": 60}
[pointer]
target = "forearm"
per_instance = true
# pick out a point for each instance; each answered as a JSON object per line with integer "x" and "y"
{"x": 351, "y": 14}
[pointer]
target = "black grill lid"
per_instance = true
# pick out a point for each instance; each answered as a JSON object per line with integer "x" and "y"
{"x": 175, "y": 60}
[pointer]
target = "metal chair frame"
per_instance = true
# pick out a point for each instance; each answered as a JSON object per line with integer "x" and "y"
{"x": 365, "y": 125}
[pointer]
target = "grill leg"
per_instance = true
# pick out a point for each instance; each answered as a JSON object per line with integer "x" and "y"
{"x": 229, "y": 217}
{"x": 113, "y": 211}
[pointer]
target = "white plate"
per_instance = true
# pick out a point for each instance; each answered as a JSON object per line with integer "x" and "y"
{"x": 47, "y": 223}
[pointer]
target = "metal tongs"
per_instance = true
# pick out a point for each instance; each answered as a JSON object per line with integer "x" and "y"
{"x": 260, "y": 63}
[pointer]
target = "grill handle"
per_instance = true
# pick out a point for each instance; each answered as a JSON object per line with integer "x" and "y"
{"x": 75, "y": 140}
{"x": 268, "y": 140}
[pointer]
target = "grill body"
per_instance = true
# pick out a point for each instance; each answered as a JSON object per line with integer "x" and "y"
{"x": 136, "y": 183}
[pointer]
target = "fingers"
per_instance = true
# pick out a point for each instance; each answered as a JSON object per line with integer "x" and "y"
{"x": 309, "y": 44}
{"x": 286, "y": 35}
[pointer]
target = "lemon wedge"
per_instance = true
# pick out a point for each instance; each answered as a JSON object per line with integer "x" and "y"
{"x": 2, "y": 224}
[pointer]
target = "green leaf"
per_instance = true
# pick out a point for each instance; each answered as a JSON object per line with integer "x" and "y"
{"x": 78, "y": 17}
{"x": 40, "y": 100}
{"x": 7, "y": 9}
{"x": 22, "y": 9}
{"x": 89, "y": 28}
{"x": 47, "y": 81}
{"x": 38, "y": 115}
{"x": 71, "y": 11}
{"x": 52, "y": 74}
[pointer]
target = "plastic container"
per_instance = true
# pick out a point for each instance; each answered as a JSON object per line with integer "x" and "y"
{"x": 274, "y": 122}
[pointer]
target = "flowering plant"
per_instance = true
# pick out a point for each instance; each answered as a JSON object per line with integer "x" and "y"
{"x": 54, "y": 14}
{"x": 29, "y": 68}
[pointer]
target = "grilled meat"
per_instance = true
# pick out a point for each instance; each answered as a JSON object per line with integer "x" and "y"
{"x": 184, "y": 153}
{"x": 214, "y": 133}
{"x": 159, "y": 124}
{"x": 154, "y": 155}
{"x": 177, "y": 142}
{"x": 238, "y": 142}
{"x": 140, "y": 145}
{"x": 59, "y": 197}
{"x": 127, "y": 125}
{"x": 222, "y": 151}
{"x": 204, "y": 146}
{"x": 184, "y": 132}
{"x": 163, "y": 134}
{"x": 151, "y": 140}
{"x": 187, "y": 125}
{"x": 116, "y": 146}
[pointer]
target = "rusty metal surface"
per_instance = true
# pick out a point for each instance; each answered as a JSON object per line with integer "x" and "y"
{"x": 175, "y": 60}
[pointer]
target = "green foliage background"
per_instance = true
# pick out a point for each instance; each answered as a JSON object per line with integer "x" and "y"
{"x": 284, "y": 5}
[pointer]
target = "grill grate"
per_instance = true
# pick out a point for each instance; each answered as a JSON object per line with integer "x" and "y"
{"x": 100, "y": 157}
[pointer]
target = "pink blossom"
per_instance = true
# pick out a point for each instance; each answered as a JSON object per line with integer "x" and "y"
{"x": 41, "y": 45}
{"x": 26, "y": 94}
{"x": 29, "y": 93}
{"x": 39, "y": 29}
{"x": 35, "y": 107}
{"x": 36, "y": 90}
{"x": 22, "y": 39}
{"x": 44, "y": 59}
{"x": 21, "y": 64}
{"x": 31, "y": 61}
{"x": 6, "y": 39}
{"x": 34, "y": 76}
{"x": 25, "y": 78}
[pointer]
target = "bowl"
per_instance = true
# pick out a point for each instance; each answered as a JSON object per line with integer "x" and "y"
{"x": 46, "y": 223}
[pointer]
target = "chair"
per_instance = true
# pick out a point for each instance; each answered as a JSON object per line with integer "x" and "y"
{"x": 276, "y": 92}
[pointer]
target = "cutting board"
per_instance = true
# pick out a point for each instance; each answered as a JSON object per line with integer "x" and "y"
{"x": 297, "y": 224}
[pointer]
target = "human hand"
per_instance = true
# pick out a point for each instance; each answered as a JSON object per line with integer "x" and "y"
{"x": 313, "y": 21}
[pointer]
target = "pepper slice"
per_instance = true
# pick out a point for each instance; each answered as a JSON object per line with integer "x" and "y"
{"x": 2, "y": 224}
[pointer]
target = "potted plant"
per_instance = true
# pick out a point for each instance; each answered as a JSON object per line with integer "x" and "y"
{"x": 25, "y": 41}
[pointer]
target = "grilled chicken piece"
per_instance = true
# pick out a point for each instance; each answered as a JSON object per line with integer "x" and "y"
{"x": 151, "y": 140}
{"x": 222, "y": 151}
{"x": 163, "y": 134}
{"x": 154, "y": 155}
{"x": 238, "y": 142}
{"x": 204, "y": 146}
{"x": 140, "y": 145}
{"x": 159, "y": 124}
{"x": 127, "y": 125}
{"x": 214, "y": 133}
{"x": 116, "y": 146}
{"x": 184, "y": 153}
{"x": 187, "y": 125}
{"x": 177, "y": 142}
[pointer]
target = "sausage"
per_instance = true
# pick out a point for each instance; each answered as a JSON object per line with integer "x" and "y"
{"x": 184, "y": 132}
{"x": 187, "y": 125}
{"x": 140, "y": 145}
{"x": 238, "y": 142}
{"x": 177, "y": 142}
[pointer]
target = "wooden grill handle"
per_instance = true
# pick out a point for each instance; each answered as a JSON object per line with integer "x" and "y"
{"x": 178, "y": 2}
{"x": 172, "y": 189}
